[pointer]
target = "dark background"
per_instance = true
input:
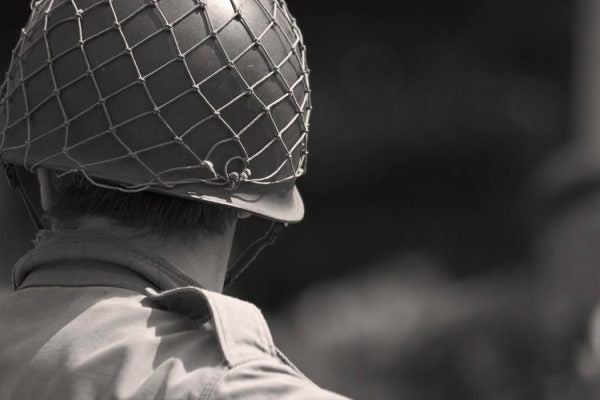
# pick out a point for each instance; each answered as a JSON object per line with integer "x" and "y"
{"x": 429, "y": 116}
{"x": 412, "y": 272}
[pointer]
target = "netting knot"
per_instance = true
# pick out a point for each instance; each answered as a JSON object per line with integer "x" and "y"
{"x": 238, "y": 178}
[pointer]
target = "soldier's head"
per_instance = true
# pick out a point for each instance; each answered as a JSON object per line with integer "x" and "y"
{"x": 180, "y": 109}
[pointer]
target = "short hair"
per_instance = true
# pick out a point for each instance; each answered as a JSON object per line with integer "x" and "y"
{"x": 76, "y": 197}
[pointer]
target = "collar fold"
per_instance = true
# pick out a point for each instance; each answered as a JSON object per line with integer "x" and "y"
{"x": 73, "y": 258}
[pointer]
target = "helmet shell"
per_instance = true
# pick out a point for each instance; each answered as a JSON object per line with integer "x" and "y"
{"x": 203, "y": 100}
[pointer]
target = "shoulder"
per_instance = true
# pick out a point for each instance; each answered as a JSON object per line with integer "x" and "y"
{"x": 266, "y": 379}
{"x": 254, "y": 368}
{"x": 241, "y": 331}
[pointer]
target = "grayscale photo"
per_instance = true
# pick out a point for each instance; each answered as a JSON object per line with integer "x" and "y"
{"x": 299, "y": 200}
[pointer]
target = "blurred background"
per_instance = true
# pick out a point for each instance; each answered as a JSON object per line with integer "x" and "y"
{"x": 451, "y": 248}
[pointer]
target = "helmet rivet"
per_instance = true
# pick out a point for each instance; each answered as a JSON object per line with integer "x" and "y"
{"x": 117, "y": 24}
{"x": 230, "y": 65}
{"x": 257, "y": 43}
{"x": 178, "y": 139}
{"x": 250, "y": 92}
{"x": 217, "y": 113}
{"x": 156, "y": 110}
{"x": 238, "y": 16}
{"x": 141, "y": 79}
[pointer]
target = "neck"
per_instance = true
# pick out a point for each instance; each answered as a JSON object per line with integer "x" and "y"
{"x": 203, "y": 257}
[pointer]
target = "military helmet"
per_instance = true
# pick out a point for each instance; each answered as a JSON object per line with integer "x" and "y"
{"x": 206, "y": 100}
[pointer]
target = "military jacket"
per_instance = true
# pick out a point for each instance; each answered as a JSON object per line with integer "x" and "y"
{"x": 92, "y": 318}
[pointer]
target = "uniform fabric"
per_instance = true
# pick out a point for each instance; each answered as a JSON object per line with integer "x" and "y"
{"x": 92, "y": 318}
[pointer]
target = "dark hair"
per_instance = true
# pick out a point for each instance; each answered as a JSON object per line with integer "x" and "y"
{"x": 76, "y": 197}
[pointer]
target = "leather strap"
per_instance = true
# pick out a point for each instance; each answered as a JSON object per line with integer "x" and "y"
{"x": 252, "y": 252}
{"x": 14, "y": 175}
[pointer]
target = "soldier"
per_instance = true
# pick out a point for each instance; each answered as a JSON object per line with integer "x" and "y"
{"x": 138, "y": 132}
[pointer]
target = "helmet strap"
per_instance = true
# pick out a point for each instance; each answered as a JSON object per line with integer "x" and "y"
{"x": 12, "y": 173}
{"x": 252, "y": 252}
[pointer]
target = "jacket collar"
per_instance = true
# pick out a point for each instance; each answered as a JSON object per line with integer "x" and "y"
{"x": 73, "y": 258}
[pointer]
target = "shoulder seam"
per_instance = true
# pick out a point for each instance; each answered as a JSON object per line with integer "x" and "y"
{"x": 209, "y": 388}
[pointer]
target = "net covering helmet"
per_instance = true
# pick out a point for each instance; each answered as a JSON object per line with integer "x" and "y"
{"x": 206, "y": 100}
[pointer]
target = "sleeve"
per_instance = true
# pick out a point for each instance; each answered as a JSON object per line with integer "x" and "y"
{"x": 267, "y": 379}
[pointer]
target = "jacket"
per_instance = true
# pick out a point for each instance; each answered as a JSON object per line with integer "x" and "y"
{"x": 92, "y": 318}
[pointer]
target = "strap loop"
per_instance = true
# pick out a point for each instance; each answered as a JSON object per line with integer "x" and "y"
{"x": 252, "y": 252}
{"x": 15, "y": 183}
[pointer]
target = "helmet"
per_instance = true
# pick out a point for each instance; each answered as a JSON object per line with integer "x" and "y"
{"x": 205, "y": 100}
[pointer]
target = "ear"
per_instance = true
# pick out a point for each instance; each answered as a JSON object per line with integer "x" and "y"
{"x": 46, "y": 192}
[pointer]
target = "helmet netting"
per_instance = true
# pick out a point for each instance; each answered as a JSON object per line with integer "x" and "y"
{"x": 32, "y": 116}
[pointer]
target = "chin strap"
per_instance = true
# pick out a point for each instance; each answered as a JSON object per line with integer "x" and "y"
{"x": 15, "y": 183}
{"x": 252, "y": 252}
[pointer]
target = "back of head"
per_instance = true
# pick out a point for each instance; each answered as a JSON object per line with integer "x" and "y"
{"x": 75, "y": 198}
